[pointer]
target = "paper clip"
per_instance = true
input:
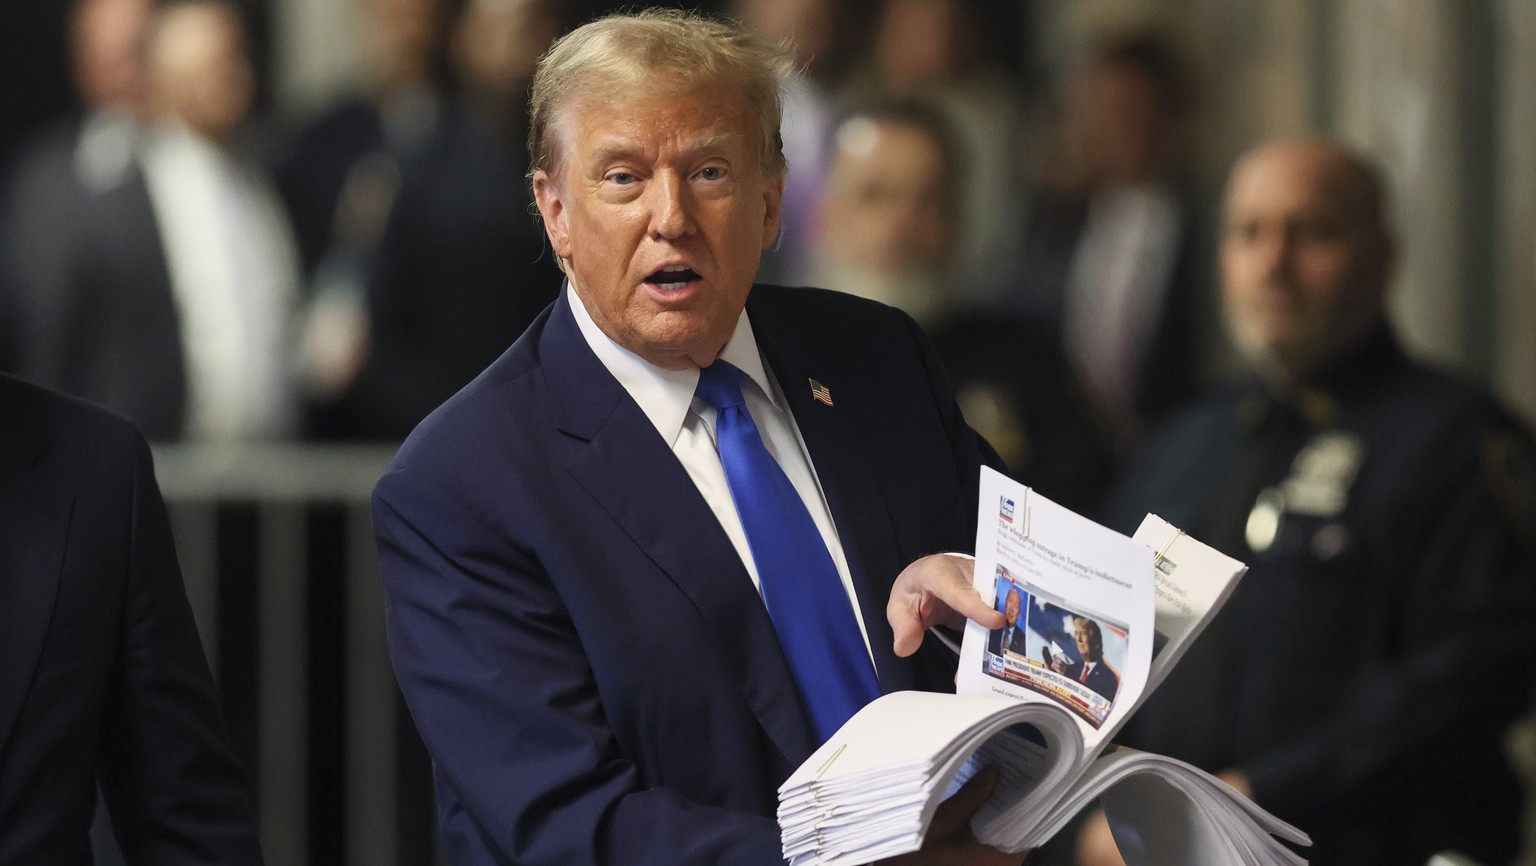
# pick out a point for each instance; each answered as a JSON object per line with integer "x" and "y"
{"x": 1026, "y": 513}
{"x": 835, "y": 755}
{"x": 1163, "y": 553}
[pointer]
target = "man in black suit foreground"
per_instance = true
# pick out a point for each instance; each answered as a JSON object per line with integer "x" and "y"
{"x": 102, "y": 677}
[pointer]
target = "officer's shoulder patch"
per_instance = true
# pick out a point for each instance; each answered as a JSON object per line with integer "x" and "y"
{"x": 1509, "y": 463}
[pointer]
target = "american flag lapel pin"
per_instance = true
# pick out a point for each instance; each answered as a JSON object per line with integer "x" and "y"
{"x": 819, "y": 392}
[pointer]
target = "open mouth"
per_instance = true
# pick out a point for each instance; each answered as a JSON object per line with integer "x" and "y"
{"x": 672, "y": 278}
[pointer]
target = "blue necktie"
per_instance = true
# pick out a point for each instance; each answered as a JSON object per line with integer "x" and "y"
{"x": 804, "y": 593}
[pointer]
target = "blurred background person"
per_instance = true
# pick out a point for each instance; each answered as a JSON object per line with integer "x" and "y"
{"x": 339, "y": 177}
{"x": 460, "y": 268}
{"x": 817, "y": 32}
{"x": 934, "y": 49}
{"x": 1361, "y": 678}
{"x": 175, "y": 302}
{"x": 889, "y": 227}
{"x": 229, "y": 251}
{"x": 1113, "y": 242}
{"x": 331, "y": 171}
{"x": 89, "y": 152}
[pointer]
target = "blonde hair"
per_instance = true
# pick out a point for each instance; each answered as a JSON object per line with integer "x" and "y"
{"x": 619, "y": 55}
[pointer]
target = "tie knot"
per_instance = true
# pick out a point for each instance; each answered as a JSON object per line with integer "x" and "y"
{"x": 720, "y": 386}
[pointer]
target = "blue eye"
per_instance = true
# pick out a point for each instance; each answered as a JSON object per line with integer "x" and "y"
{"x": 713, "y": 172}
{"x": 622, "y": 178}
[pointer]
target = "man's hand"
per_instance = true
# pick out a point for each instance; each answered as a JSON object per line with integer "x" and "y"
{"x": 1238, "y": 780}
{"x": 935, "y": 590}
{"x": 1096, "y": 844}
{"x": 949, "y": 841}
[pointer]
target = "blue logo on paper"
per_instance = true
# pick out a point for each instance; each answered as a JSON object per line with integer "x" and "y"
{"x": 1005, "y": 509}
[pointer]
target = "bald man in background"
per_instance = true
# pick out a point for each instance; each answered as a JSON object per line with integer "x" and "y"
{"x": 1359, "y": 681}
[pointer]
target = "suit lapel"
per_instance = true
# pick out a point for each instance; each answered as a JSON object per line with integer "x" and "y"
{"x": 613, "y": 451}
{"x": 847, "y": 479}
{"x": 34, "y": 526}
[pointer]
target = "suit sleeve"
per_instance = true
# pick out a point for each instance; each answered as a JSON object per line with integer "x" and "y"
{"x": 175, "y": 791}
{"x": 496, "y": 677}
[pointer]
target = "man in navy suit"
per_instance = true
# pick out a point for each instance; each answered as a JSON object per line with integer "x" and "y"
{"x": 1091, "y": 671}
{"x": 573, "y": 606}
{"x": 102, "y": 677}
{"x": 1010, "y": 635}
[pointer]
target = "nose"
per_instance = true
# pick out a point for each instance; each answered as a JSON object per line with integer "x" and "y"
{"x": 1277, "y": 249}
{"x": 671, "y": 207}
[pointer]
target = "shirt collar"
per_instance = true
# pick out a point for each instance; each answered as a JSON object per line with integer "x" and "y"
{"x": 666, "y": 396}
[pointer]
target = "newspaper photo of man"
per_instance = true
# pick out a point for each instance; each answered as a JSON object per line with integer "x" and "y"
{"x": 1010, "y": 601}
{"x": 1092, "y": 671}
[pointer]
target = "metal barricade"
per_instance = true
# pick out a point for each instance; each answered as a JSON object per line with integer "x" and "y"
{"x": 281, "y": 570}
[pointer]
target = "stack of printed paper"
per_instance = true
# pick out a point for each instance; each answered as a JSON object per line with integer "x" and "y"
{"x": 1093, "y": 622}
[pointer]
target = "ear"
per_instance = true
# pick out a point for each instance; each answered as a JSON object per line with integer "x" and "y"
{"x": 548, "y": 196}
{"x": 773, "y": 200}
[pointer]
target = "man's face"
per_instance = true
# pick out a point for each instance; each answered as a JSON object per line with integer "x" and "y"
{"x": 888, "y": 206}
{"x": 1011, "y": 608}
{"x": 201, "y": 73}
{"x": 107, "y": 52}
{"x": 660, "y": 212}
{"x": 1304, "y": 262}
{"x": 1118, "y": 125}
{"x": 1084, "y": 643}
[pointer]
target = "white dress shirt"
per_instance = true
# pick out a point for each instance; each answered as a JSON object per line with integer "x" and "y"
{"x": 687, "y": 425}
{"x": 1118, "y": 283}
{"x": 234, "y": 274}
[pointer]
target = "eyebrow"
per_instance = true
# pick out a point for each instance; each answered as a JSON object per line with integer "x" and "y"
{"x": 622, "y": 148}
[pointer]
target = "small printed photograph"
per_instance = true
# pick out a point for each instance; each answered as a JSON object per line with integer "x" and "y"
{"x": 1070, "y": 656}
{"x": 1078, "y": 647}
{"x": 1011, "y": 600}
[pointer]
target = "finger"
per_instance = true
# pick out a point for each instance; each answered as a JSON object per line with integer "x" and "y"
{"x": 906, "y": 611}
{"x": 953, "y": 586}
{"x": 906, "y": 628}
{"x": 932, "y": 591}
{"x": 964, "y": 600}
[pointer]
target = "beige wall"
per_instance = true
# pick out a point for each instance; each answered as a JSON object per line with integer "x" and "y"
{"x": 1515, "y": 269}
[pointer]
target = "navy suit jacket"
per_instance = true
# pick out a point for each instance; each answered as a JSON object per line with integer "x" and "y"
{"x": 102, "y": 676}
{"x": 1101, "y": 679}
{"x": 586, "y": 657}
{"x": 999, "y": 639}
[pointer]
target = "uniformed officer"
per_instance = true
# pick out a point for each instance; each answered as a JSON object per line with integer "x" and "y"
{"x": 1358, "y": 682}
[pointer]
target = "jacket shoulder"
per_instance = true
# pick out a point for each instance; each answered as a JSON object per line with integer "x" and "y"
{"x": 53, "y": 416}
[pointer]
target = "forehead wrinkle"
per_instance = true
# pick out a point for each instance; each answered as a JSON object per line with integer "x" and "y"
{"x": 620, "y": 147}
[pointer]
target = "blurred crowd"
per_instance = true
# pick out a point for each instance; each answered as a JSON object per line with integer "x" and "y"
{"x": 215, "y": 279}
{"x": 221, "y": 276}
